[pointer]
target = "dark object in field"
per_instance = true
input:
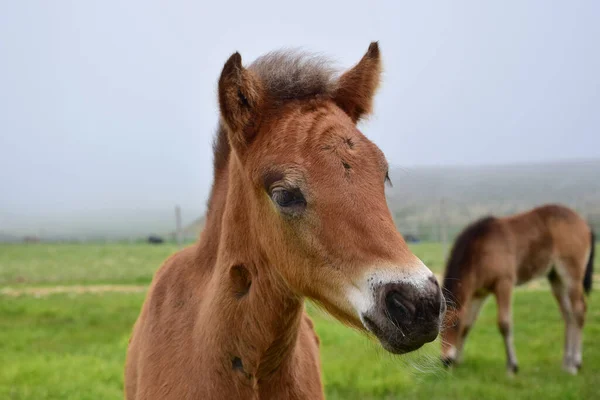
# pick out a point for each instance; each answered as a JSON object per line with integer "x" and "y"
{"x": 492, "y": 255}
{"x": 411, "y": 238}
{"x": 153, "y": 239}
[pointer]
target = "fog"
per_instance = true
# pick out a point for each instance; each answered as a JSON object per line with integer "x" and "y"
{"x": 107, "y": 109}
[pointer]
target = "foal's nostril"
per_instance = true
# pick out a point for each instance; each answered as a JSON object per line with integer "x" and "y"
{"x": 406, "y": 314}
{"x": 398, "y": 307}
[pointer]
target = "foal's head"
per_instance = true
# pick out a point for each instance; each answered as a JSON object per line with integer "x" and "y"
{"x": 314, "y": 190}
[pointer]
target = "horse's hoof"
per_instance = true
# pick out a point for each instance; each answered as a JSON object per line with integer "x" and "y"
{"x": 512, "y": 370}
{"x": 570, "y": 369}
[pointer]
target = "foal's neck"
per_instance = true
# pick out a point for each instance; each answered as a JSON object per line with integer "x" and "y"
{"x": 255, "y": 317}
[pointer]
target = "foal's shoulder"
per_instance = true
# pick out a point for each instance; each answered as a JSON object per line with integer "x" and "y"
{"x": 177, "y": 265}
{"x": 175, "y": 281}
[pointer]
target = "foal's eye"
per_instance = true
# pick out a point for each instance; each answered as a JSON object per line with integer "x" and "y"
{"x": 286, "y": 198}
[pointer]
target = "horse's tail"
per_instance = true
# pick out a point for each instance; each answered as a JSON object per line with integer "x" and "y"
{"x": 589, "y": 269}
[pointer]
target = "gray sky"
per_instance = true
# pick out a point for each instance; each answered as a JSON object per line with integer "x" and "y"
{"x": 108, "y": 108}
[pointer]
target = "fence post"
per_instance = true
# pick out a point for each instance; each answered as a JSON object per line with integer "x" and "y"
{"x": 178, "y": 231}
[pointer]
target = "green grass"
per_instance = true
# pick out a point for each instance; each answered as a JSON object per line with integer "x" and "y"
{"x": 73, "y": 346}
{"x": 432, "y": 255}
{"x": 43, "y": 264}
{"x": 62, "y": 347}
{"x": 52, "y": 264}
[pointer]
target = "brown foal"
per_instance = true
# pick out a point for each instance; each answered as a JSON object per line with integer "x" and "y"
{"x": 493, "y": 255}
{"x": 297, "y": 210}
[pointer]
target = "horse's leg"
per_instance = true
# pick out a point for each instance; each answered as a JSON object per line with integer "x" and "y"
{"x": 503, "y": 293}
{"x": 559, "y": 290}
{"x": 471, "y": 313}
{"x": 572, "y": 306}
{"x": 578, "y": 308}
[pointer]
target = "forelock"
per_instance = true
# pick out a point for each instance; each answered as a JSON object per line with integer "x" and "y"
{"x": 293, "y": 74}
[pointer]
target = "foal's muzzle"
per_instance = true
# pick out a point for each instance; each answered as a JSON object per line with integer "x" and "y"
{"x": 406, "y": 314}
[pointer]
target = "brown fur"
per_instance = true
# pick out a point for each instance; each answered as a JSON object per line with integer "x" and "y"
{"x": 353, "y": 93}
{"x": 493, "y": 255}
{"x": 225, "y": 317}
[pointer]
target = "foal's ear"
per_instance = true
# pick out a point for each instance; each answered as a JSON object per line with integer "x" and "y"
{"x": 240, "y": 100}
{"x": 357, "y": 86}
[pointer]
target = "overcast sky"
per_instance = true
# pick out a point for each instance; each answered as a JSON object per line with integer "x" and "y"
{"x": 110, "y": 106}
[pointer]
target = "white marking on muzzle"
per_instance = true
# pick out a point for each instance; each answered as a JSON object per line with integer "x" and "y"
{"x": 362, "y": 295}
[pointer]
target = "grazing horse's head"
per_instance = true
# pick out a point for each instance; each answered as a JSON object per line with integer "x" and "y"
{"x": 314, "y": 188}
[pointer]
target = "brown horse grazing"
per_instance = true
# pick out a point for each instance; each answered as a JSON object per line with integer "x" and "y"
{"x": 297, "y": 210}
{"x": 493, "y": 255}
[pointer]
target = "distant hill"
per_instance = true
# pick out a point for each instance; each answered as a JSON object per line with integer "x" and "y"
{"x": 469, "y": 192}
{"x": 415, "y": 199}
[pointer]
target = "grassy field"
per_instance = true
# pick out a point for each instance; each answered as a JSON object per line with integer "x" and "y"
{"x": 52, "y": 264}
{"x": 72, "y": 345}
